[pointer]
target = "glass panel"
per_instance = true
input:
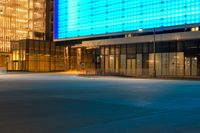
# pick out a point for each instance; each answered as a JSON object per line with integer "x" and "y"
{"x": 139, "y": 64}
{"x": 187, "y": 66}
{"x": 112, "y": 63}
{"x": 194, "y": 66}
{"x": 106, "y": 64}
{"x": 165, "y": 64}
{"x": 172, "y": 64}
{"x": 123, "y": 49}
{"x": 123, "y": 64}
{"x": 145, "y": 64}
{"x": 102, "y": 62}
{"x": 151, "y": 64}
{"x": 106, "y": 51}
{"x": 78, "y": 59}
{"x": 112, "y": 50}
{"x": 102, "y": 51}
{"x": 117, "y": 63}
{"x": 158, "y": 64}
{"x": 180, "y": 64}
{"x": 117, "y": 50}
{"x": 131, "y": 67}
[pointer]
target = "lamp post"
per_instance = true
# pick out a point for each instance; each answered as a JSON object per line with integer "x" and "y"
{"x": 154, "y": 52}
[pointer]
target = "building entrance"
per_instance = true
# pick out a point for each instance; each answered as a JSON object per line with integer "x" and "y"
{"x": 191, "y": 66}
{"x": 82, "y": 60}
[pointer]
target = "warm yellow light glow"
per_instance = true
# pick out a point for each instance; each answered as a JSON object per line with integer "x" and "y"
{"x": 195, "y": 29}
{"x": 75, "y": 72}
{"x": 20, "y": 19}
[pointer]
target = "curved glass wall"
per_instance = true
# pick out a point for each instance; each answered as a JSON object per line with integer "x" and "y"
{"x": 77, "y": 18}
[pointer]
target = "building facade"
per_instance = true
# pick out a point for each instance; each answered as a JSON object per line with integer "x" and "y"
{"x": 151, "y": 38}
{"x": 173, "y": 58}
{"x": 20, "y": 19}
{"x": 49, "y": 19}
{"x": 26, "y": 34}
{"x": 37, "y": 56}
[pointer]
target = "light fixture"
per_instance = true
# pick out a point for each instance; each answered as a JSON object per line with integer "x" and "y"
{"x": 140, "y": 30}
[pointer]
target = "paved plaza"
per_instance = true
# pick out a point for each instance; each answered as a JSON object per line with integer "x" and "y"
{"x": 61, "y": 103}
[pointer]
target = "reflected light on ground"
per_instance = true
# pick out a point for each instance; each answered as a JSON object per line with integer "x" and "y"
{"x": 75, "y": 72}
{"x": 72, "y": 72}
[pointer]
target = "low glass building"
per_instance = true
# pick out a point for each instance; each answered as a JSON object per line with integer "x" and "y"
{"x": 36, "y": 56}
{"x": 173, "y": 58}
{"x": 141, "y": 38}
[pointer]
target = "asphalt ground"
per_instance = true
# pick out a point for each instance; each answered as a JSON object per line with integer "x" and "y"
{"x": 61, "y": 103}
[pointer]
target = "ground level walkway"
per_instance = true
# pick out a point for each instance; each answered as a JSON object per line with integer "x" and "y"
{"x": 60, "y": 103}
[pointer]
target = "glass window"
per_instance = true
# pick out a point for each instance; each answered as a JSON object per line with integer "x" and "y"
{"x": 107, "y": 51}
{"x": 158, "y": 64}
{"x": 139, "y": 64}
{"x": 139, "y": 48}
{"x": 172, "y": 64}
{"x": 112, "y": 63}
{"x": 180, "y": 64}
{"x": 165, "y": 64}
{"x": 123, "y": 64}
{"x": 123, "y": 49}
{"x": 102, "y": 51}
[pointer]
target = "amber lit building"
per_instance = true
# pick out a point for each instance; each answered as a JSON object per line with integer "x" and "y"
{"x": 36, "y": 56}
{"x": 24, "y": 27}
{"x": 20, "y": 19}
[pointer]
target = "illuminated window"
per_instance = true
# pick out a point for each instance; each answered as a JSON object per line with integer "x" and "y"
{"x": 20, "y": 19}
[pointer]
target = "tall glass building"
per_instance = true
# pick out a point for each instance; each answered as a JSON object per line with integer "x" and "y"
{"x": 130, "y": 37}
{"x": 20, "y": 19}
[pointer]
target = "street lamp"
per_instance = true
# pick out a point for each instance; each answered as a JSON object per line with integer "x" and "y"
{"x": 154, "y": 50}
{"x": 140, "y": 30}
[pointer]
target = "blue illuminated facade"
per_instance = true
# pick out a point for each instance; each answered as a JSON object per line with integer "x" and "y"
{"x": 79, "y": 18}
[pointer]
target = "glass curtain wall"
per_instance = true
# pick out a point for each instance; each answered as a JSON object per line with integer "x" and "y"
{"x": 173, "y": 59}
{"x": 82, "y": 59}
{"x": 36, "y": 56}
{"x": 21, "y": 19}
